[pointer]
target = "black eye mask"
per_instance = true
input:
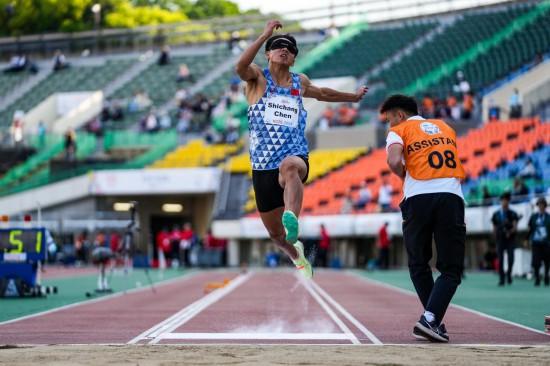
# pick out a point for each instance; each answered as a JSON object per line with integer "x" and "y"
{"x": 284, "y": 43}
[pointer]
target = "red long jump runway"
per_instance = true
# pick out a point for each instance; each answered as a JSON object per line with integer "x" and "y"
{"x": 264, "y": 307}
{"x": 391, "y": 313}
{"x": 112, "y": 320}
{"x": 259, "y": 307}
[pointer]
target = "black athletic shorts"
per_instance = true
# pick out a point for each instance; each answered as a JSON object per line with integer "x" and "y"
{"x": 268, "y": 191}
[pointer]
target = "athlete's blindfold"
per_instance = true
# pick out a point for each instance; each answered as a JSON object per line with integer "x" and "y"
{"x": 284, "y": 43}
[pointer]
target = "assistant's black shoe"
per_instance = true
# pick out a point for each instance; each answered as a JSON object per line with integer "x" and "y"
{"x": 501, "y": 283}
{"x": 537, "y": 282}
{"x": 509, "y": 279}
{"x": 430, "y": 330}
{"x": 443, "y": 331}
{"x": 547, "y": 281}
{"x": 419, "y": 335}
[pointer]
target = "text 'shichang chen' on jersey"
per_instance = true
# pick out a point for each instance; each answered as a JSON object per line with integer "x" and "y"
{"x": 277, "y": 124}
{"x": 429, "y": 149}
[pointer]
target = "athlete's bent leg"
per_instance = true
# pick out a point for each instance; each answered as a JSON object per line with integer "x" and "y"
{"x": 292, "y": 172}
{"x": 274, "y": 226}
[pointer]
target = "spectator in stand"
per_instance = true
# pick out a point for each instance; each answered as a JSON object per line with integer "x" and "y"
{"x": 184, "y": 74}
{"x": 486, "y": 197}
{"x": 385, "y": 196}
{"x": 70, "y": 145}
{"x": 365, "y": 196}
{"x": 529, "y": 170}
{"x": 346, "y": 115}
{"x": 494, "y": 111}
{"x": 324, "y": 247}
{"x": 327, "y": 118}
{"x": 165, "y": 121}
{"x": 383, "y": 244}
{"x": 505, "y": 222}
{"x": 186, "y": 243}
{"x": 164, "y": 58}
{"x": 16, "y": 129}
{"x": 539, "y": 235}
{"x": 514, "y": 103}
{"x": 347, "y": 205}
{"x": 428, "y": 106}
{"x": 462, "y": 85}
{"x": 150, "y": 122}
{"x": 60, "y": 61}
{"x": 184, "y": 119}
{"x": 454, "y": 108}
{"x": 17, "y": 63}
{"x": 467, "y": 105}
{"x": 180, "y": 97}
{"x": 139, "y": 102}
{"x": 519, "y": 190}
{"x": 41, "y": 132}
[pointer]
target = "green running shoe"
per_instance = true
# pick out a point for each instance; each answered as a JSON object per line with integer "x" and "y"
{"x": 290, "y": 222}
{"x": 302, "y": 264}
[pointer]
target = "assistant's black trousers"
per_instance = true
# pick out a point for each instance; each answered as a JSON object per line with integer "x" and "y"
{"x": 438, "y": 216}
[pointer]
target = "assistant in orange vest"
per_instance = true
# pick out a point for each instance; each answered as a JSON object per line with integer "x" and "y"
{"x": 429, "y": 149}
{"x": 423, "y": 152}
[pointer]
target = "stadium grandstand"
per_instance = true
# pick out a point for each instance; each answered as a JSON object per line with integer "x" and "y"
{"x": 102, "y": 124}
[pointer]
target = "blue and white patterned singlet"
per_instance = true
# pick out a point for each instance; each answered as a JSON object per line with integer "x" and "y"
{"x": 277, "y": 124}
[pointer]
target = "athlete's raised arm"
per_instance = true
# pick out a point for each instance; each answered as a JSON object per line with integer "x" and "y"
{"x": 245, "y": 69}
{"x": 330, "y": 95}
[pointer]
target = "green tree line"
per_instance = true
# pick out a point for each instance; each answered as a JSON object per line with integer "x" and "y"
{"x": 20, "y": 17}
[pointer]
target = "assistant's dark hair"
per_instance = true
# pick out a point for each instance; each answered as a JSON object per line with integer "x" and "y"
{"x": 269, "y": 42}
{"x": 400, "y": 101}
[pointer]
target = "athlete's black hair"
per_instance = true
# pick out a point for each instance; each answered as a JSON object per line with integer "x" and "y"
{"x": 287, "y": 36}
{"x": 400, "y": 101}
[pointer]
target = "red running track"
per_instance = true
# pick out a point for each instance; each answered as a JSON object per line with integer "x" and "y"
{"x": 260, "y": 307}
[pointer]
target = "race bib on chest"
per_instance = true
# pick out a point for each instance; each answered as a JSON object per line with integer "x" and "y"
{"x": 282, "y": 110}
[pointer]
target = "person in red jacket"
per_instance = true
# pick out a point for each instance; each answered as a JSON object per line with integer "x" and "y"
{"x": 324, "y": 247}
{"x": 383, "y": 247}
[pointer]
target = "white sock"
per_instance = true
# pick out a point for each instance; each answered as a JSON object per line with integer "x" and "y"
{"x": 429, "y": 316}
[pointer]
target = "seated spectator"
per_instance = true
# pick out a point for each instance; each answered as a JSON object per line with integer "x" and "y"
{"x": 347, "y": 205}
{"x": 346, "y": 115}
{"x": 454, "y": 107}
{"x": 180, "y": 97}
{"x": 184, "y": 119}
{"x": 327, "y": 119}
{"x": 428, "y": 106}
{"x": 494, "y": 111}
{"x": 140, "y": 101}
{"x": 519, "y": 190}
{"x": 164, "y": 58}
{"x": 486, "y": 197}
{"x": 467, "y": 106}
{"x": 150, "y": 122}
{"x": 165, "y": 121}
{"x": 365, "y": 196}
{"x": 17, "y": 63}
{"x": 384, "y": 196}
{"x": 515, "y": 104}
{"x": 60, "y": 61}
{"x": 529, "y": 170}
{"x": 184, "y": 74}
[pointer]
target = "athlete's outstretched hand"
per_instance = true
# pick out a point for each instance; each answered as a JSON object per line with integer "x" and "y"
{"x": 271, "y": 26}
{"x": 361, "y": 93}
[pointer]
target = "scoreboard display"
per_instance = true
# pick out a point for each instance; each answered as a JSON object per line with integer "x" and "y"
{"x": 22, "y": 244}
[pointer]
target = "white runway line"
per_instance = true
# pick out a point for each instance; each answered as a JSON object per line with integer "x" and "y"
{"x": 479, "y": 313}
{"x": 346, "y": 314}
{"x": 307, "y": 285}
{"x": 155, "y": 333}
{"x": 259, "y": 336}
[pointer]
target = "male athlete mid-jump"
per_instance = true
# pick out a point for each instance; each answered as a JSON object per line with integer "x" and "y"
{"x": 278, "y": 147}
